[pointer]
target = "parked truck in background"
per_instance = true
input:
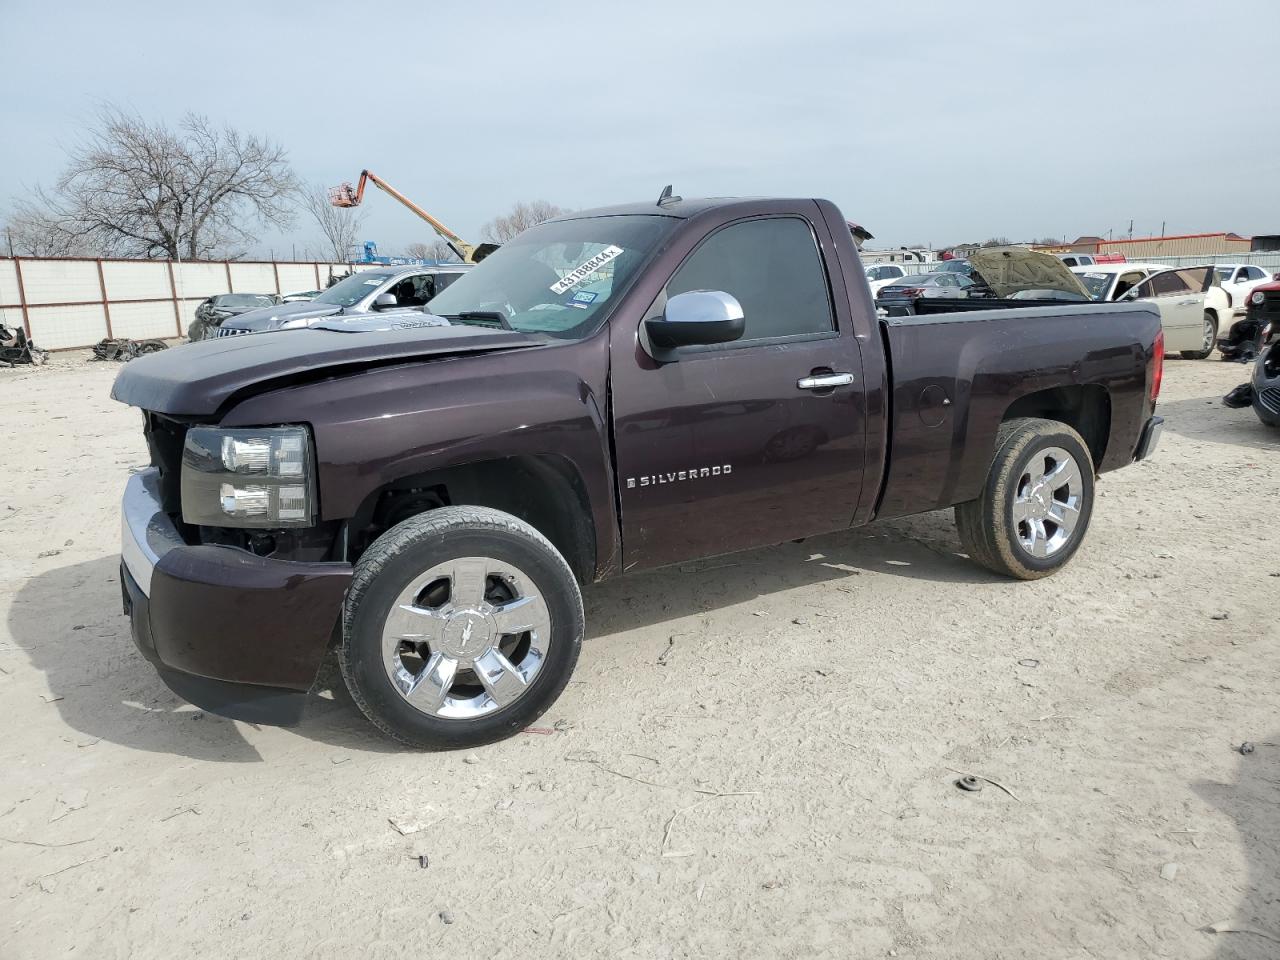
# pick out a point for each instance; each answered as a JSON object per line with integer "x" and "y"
{"x": 613, "y": 391}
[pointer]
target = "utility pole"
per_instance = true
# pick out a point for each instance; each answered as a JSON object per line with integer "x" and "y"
{"x": 1130, "y": 229}
{"x": 1162, "y": 223}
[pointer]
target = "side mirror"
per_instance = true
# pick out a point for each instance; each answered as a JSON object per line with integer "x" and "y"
{"x": 384, "y": 301}
{"x": 697, "y": 318}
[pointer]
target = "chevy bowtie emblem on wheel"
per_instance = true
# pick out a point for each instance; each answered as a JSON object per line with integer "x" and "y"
{"x": 675, "y": 476}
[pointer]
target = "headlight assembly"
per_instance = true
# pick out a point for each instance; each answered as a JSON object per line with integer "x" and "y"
{"x": 248, "y": 477}
{"x": 1258, "y": 297}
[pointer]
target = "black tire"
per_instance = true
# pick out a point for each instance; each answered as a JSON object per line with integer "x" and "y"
{"x": 416, "y": 545}
{"x": 1210, "y": 324}
{"x": 986, "y": 525}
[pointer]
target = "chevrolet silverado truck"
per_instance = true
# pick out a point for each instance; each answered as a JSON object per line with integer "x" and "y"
{"x": 613, "y": 391}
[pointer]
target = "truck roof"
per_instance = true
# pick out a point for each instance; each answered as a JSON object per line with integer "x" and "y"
{"x": 680, "y": 209}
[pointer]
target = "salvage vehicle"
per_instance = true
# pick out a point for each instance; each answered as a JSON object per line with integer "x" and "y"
{"x": 360, "y": 294}
{"x": 213, "y": 311}
{"x": 1179, "y": 293}
{"x": 612, "y": 391}
{"x": 999, "y": 277}
{"x": 1262, "y": 314}
{"x": 1266, "y": 384}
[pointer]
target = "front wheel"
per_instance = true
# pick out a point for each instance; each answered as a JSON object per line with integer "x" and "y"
{"x": 1037, "y": 502}
{"x": 462, "y": 625}
{"x": 1210, "y": 338}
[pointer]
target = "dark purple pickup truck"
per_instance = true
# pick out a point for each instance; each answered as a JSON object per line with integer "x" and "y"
{"x": 613, "y": 391}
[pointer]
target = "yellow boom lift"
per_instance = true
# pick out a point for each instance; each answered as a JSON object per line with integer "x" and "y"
{"x": 346, "y": 195}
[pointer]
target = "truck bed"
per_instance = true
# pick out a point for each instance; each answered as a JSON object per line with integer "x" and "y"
{"x": 955, "y": 378}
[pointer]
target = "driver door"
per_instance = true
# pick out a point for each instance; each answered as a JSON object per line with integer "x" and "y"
{"x": 726, "y": 447}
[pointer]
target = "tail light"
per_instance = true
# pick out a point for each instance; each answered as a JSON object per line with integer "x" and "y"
{"x": 911, "y": 291}
{"x": 1155, "y": 367}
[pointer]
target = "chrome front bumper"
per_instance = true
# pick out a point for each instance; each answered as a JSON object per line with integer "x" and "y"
{"x": 147, "y": 533}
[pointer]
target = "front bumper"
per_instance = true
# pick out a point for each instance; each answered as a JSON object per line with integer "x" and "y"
{"x": 1149, "y": 439}
{"x": 1266, "y": 386}
{"x": 229, "y": 631}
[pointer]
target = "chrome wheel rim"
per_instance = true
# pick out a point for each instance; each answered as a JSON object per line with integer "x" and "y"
{"x": 1209, "y": 332}
{"x": 1047, "y": 502}
{"x": 466, "y": 638}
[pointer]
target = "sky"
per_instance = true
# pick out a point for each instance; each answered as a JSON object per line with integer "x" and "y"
{"x": 926, "y": 123}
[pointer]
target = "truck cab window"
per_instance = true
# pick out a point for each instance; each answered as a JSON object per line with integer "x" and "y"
{"x": 773, "y": 267}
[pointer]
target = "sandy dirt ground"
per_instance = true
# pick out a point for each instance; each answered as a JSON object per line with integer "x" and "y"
{"x": 756, "y": 757}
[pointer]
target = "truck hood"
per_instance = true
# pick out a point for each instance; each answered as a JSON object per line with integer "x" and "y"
{"x": 1010, "y": 269}
{"x": 200, "y": 379}
{"x": 271, "y": 318}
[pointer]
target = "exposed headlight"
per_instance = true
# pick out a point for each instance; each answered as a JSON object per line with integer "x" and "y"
{"x": 1257, "y": 297}
{"x": 248, "y": 477}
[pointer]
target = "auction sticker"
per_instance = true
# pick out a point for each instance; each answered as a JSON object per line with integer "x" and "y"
{"x": 581, "y": 272}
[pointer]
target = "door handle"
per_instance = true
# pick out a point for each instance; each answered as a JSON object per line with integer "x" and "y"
{"x": 1188, "y": 303}
{"x": 825, "y": 381}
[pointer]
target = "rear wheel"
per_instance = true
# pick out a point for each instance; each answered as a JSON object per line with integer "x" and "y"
{"x": 1210, "y": 338}
{"x": 1036, "y": 505}
{"x": 461, "y": 627}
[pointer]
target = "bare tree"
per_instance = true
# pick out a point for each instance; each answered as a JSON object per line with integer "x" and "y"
{"x": 31, "y": 232}
{"x": 340, "y": 225}
{"x": 140, "y": 189}
{"x": 522, "y": 216}
{"x": 1049, "y": 241}
{"x": 436, "y": 250}
{"x": 996, "y": 242}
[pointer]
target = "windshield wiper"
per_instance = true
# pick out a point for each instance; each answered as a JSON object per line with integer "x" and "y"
{"x": 482, "y": 318}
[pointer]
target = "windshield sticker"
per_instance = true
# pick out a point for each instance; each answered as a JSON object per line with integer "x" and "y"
{"x": 372, "y": 283}
{"x": 1096, "y": 276}
{"x": 584, "y": 297}
{"x": 580, "y": 273}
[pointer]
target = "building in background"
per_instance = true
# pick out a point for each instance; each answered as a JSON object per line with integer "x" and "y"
{"x": 1141, "y": 248}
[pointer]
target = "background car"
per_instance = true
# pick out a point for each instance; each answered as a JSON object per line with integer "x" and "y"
{"x": 899, "y": 297}
{"x": 216, "y": 309}
{"x": 369, "y": 291}
{"x": 1239, "y": 280}
{"x": 1076, "y": 259}
{"x": 1190, "y": 323}
{"x": 881, "y": 275}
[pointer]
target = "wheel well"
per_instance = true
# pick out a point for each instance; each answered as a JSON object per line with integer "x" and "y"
{"x": 1085, "y": 407}
{"x": 544, "y": 491}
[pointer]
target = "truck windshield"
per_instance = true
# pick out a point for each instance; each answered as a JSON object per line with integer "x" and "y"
{"x": 558, "y": 277}
{"x": 356, "y": 287}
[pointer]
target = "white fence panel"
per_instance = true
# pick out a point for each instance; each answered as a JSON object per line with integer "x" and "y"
{"x": 60, "y": 281}
{"x": 54, "y": 328}
{"x": 136, "y": 280}
{"x": 200, "y": 279}
{"x": 9, "y": 294}
{"x": 143, "y": 321}
{"x": 64, "y": 297}
{"x": 253, "y": 278}
{"x": 297, "y": 277}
